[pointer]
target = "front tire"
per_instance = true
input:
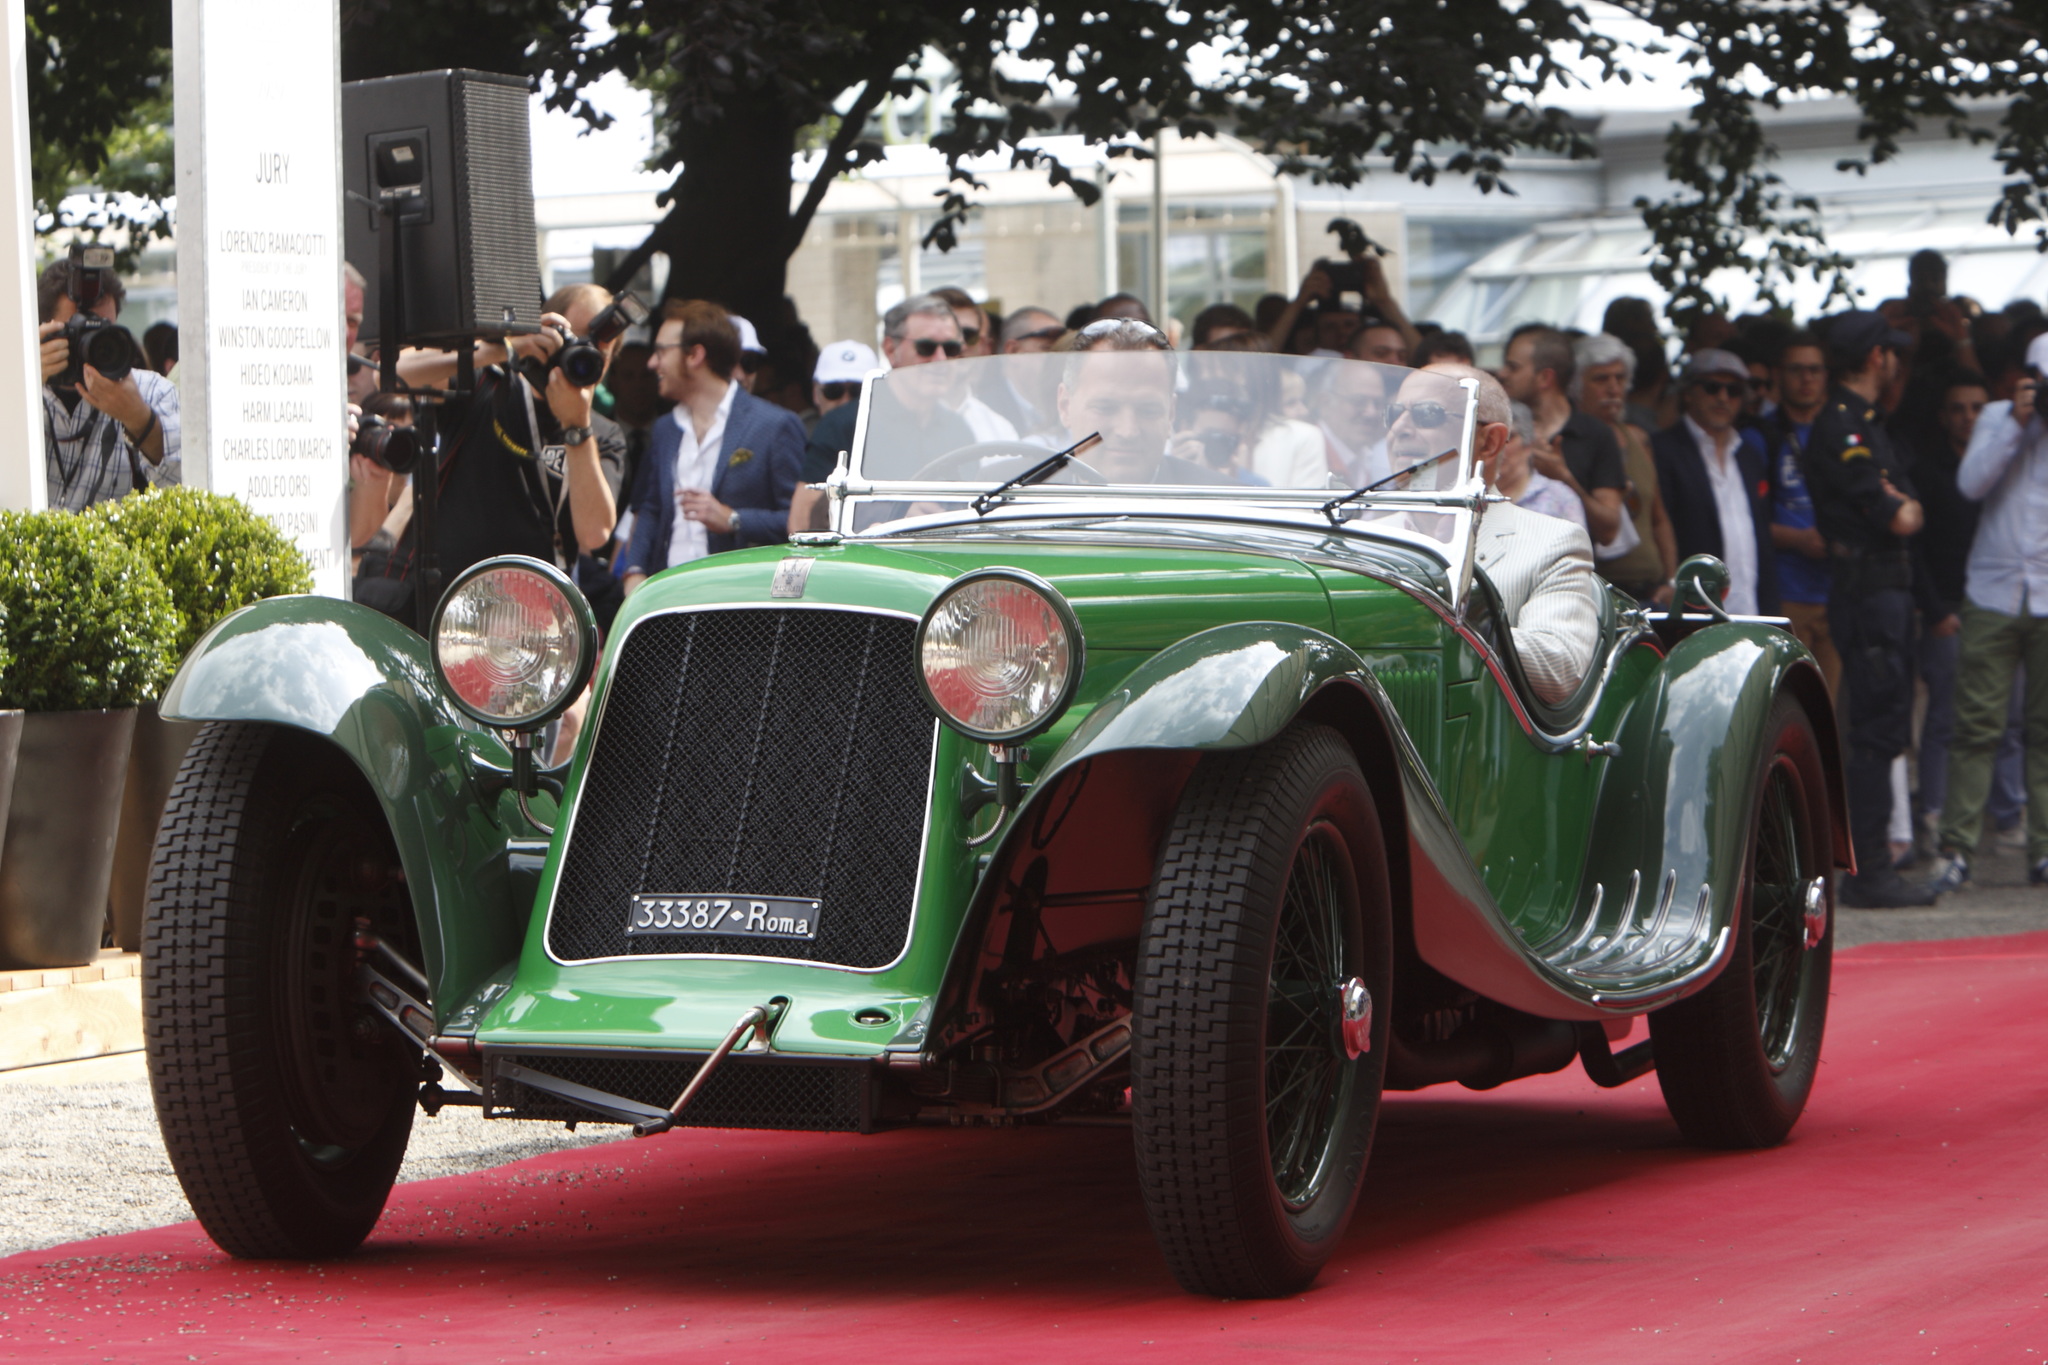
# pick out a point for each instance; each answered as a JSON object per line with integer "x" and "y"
{"x": 1252, "y": 1121}
{"x": 1737, "y": 1061}
{"x": 285, "y": 1105}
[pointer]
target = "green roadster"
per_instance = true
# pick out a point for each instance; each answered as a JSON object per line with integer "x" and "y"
{"x": 1187, "y": 742}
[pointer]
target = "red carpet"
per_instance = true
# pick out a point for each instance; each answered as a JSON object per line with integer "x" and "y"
{"x": 1906, "y": 1220}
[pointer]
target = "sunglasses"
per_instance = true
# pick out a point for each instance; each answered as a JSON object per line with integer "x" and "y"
{"x": 1143, "y": 332}
{"x": 1722, "y": 388}
{"x": 970, "y": 335}
{"x": 1428, "y": 416}
{"x": 839, "y": 389}
{"x": 752, "y": 361}
{"x": 927, "y": 348}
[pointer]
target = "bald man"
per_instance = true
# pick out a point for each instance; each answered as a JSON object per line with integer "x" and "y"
{"x": 1540, "y": 567}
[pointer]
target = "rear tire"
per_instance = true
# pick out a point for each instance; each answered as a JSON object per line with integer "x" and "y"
{"x": 285, "y": 1104}
{"x": 1252, "y": 1124}
{"x": 1737, "y": 1061}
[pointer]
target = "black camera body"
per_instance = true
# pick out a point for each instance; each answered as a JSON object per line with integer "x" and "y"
{"x": 1348, "y": 276}
{"x": 394, "y": 447}
{"x": 107, "y": 346}
{"x": 582, "y": 359}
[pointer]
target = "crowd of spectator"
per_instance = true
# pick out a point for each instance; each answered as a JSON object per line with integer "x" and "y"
{"x": 1878, "y": 478}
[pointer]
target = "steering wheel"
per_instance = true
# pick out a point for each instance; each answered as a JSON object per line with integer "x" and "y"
{"x": 967, "y": 464}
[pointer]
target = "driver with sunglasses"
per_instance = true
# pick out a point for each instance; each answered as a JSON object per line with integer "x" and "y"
{"x": 1541, "y": 567}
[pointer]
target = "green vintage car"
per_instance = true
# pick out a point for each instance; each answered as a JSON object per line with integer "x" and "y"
{"x": 1116, "y": 756}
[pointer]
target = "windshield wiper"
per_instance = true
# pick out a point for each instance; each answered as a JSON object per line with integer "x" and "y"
{"x": 1329, "y": 509}
{"x": 1038, "y": 473}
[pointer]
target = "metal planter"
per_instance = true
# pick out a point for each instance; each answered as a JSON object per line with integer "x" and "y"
{"x": 153, "y": 759}
{"x": 59, "y": 852}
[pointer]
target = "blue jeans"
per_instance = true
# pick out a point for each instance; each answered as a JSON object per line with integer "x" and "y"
{"x": 1938, "y": 659}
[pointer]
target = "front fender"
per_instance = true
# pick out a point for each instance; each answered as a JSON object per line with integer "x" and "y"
{"x": 1227, "y": 688}
{"x": 1241, "y": 685}
{"x": 365, "y": 683}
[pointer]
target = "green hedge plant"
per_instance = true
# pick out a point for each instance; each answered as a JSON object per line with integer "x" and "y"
{"x": 213, "y": 553}
{"x": 88, "y": 625}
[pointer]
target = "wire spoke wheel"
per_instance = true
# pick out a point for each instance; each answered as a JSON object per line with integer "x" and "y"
{"x": 1265, "y": 965}
{"x": 285, "y": 1104}
{"x": 1307, "y": 1073}
{"x": 1778, "y": 880}
{"x": 1737, "y": 1061}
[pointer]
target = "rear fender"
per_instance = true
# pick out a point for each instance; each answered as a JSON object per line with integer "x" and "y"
{"x": 365, "y": 683}
{"x": 1677, "y": 803}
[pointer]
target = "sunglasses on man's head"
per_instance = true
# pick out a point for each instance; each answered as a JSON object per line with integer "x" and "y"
{"x": 1722, "y": 388}
{"x": 1428, "y": 416}
{"x": 926, "y": 348}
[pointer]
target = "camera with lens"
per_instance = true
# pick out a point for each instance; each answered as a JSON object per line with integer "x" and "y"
{"x": 395, "y": 447}
{"x": 1348, "y": 276}
{"x": 107, "y": 346}
{"x": 582, "y": 359}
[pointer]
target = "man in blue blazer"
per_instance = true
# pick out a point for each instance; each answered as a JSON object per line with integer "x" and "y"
{"x": 720, "y": 468}
{"x": 1716, "y": 483}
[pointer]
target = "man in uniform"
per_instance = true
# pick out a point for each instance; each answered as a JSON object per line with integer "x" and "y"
{"x": 1866, "y": 509}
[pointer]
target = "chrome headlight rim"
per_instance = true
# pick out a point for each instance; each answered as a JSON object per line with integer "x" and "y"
{"x": 586, "y": 636}
{"x": 1076, "y": 653}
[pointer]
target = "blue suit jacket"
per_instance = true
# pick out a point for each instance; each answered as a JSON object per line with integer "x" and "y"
{"x": 1696, "y": 521}
{"x": 769, "y": 443}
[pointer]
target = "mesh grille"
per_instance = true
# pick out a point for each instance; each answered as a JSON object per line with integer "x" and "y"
{"x": 765, "y": 753}
{"x": 497, "y": 200}
{"x": 743, "y": 1093}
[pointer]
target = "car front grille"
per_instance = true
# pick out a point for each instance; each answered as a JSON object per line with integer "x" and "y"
{"x": 744, "y": 1092}
{"x": 774, "y": 752}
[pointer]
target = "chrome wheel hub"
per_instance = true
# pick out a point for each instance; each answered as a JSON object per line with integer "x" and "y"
{"x": 1354, "y": 1004}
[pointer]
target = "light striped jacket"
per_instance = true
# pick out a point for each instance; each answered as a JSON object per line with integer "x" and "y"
{"x": 1542, "y": 570}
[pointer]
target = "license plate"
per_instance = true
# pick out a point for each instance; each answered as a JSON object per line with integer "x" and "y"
{"x": 725, "y": 916}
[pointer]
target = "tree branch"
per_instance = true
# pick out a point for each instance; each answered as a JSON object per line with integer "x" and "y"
{"x": 837, "y": 153}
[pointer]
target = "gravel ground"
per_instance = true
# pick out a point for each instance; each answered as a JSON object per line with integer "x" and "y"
{"x": 81, "y": 1157}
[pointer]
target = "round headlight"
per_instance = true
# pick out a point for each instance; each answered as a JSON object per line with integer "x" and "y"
{"x": 1000, "y": 655}
{"x": 514, "y": 642}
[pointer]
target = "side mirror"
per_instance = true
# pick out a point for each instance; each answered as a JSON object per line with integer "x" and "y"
{"x": 1702, "y": 581}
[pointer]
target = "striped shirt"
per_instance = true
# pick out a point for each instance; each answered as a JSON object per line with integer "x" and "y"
{"x": 90, "y": 458}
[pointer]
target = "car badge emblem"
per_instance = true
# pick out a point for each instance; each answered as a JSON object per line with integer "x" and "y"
{"x": 791, "y": 576}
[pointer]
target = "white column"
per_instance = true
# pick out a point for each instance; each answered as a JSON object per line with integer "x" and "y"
{"x": 1105, "y": 233}
{"x": 261, "y": 335}
{"x": 1160, "y": 312}
{"x": 22, "y": 459}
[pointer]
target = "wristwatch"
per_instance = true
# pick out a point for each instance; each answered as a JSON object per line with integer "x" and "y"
{"x": 575, "y": 436}
{"x": 733, "y": 522}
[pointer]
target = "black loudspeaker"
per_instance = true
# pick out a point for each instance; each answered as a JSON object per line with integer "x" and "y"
{"x": 452, "y": 149}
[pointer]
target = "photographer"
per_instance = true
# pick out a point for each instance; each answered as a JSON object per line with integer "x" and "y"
{"x": 526, "y": 466}
{"x": 110, "y": 429}
{"x": 1325, "y": 285}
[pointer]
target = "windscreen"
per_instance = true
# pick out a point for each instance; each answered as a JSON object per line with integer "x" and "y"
{"x": 1151, "y": 423}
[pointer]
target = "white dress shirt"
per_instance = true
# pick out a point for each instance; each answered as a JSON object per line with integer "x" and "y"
{"x": 696, "y": 467}
{"x": 985, "y": 422}
{"x": 2006, "y": 469}
{"x": 1738, "y": 528}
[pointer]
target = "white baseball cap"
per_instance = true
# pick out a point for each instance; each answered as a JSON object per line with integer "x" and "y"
{"x": 750, "y": 340}
{"x": 844, "y": 362}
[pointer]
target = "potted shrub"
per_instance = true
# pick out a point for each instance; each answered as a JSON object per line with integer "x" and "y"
{"x": 88, "y": 628}
{"x": 215, "y": 556}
